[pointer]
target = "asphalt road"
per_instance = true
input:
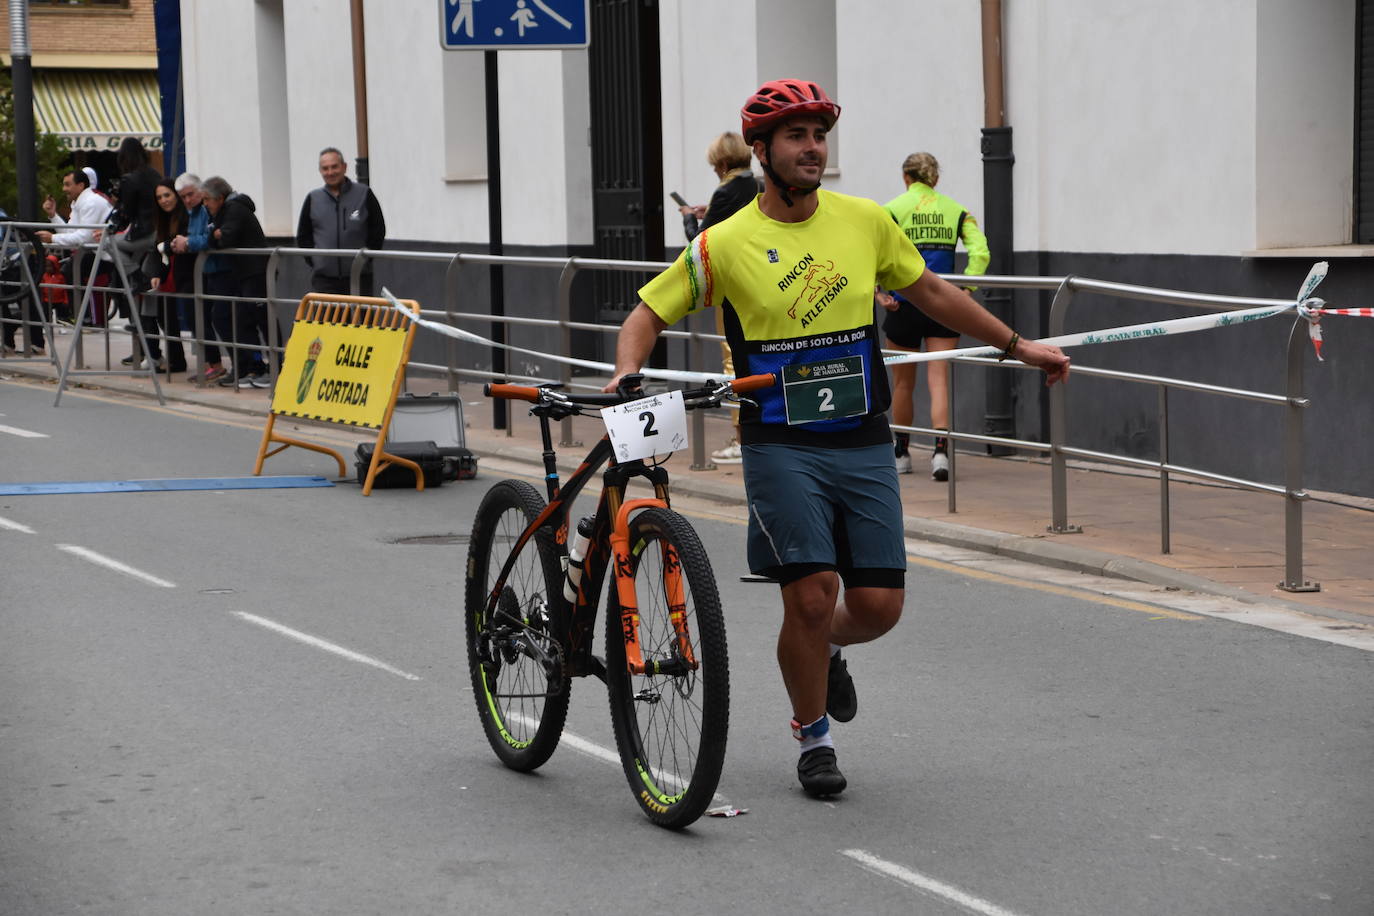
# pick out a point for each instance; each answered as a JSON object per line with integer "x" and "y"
{"x": 255, "y": 701}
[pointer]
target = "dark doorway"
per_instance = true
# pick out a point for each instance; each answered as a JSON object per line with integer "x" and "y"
{"x": 1364, "y": 122}
{"x": 627, "y": 147}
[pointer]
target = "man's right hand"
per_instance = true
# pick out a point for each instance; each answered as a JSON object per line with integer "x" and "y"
{"x": 44, "y": 236}
{"x": 49, "y": 206}
{"x": 634, "y": 343}
{"x": 625, "y": 384}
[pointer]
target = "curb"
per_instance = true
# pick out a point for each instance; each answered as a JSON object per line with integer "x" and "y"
{"x": 1040, "y": 551}
{"x": 1074, "y": 559}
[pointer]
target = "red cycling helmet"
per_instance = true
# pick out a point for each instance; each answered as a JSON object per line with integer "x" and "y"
{"x": 777, "y": 100}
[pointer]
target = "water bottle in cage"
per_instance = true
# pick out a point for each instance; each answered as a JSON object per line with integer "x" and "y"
{"x": 577, "y": 551}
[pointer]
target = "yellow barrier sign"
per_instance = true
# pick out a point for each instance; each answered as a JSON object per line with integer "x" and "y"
{"x": 344, "y": 363}
{"x": 339, "y": 373}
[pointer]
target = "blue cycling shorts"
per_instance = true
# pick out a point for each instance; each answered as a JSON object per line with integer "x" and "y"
{"x": 814, "y": 509}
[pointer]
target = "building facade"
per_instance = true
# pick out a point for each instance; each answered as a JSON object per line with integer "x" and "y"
{"x": 94, "y": 76}
{"x": 1215, "y": 147}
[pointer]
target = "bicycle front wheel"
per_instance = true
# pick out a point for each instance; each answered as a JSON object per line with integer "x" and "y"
{"x": 516, "y": 661}
{"x": 671, "y": 717}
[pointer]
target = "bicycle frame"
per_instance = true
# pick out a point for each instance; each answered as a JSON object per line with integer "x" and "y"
{"x": 608, "y": 547}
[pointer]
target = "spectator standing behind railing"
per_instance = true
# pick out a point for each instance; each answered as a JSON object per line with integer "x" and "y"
{"x": 55, "y": 293}
{"x": 729, "y": 157}
{"x": 164, "y": 269}
{"x": 90, "y": 208}
{"x": 87, "y": 208}
{"x": 342, "y": 214}
{"x": 197, "y": 238}
{"x": 935, "y": 224}
{"x": 135, "y": 210}
{"x": 237, "y": 226}
{"x": 95, "y": 184}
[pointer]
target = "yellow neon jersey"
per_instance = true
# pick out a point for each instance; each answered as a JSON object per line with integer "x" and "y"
{"x": 935, "y": 224}
{"x": 798, "y": 295}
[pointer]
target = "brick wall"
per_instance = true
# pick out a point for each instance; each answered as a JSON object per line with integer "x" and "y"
{"x": 110, "y": 31}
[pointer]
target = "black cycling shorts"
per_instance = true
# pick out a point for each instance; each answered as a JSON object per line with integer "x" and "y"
{"x": 814, "y": 509}
{"x": 908, "y": 326}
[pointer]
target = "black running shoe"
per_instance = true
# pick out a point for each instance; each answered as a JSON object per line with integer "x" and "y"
{"x": 841, "y": 702}
{"x": 819, "y": 773}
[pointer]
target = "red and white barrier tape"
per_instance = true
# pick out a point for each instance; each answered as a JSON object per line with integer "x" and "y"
{"x": 1302, "y": 306}
{"x": 1363, "y": 313}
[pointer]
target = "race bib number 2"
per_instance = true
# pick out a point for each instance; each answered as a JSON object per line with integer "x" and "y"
{"x": 650, "y": 426}
{"x": 826, "y": 390}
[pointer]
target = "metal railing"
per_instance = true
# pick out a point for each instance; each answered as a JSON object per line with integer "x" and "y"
{"x": 1293, "y": 400}
{"x": 1065, "y": 288}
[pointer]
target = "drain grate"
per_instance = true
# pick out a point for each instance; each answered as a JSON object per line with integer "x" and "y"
{"x": 427, "y": 540}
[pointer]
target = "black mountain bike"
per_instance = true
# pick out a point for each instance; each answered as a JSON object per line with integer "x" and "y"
{"x": 531, "y": 612}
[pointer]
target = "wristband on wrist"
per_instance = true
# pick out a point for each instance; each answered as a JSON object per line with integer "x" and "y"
{"x": 1011, "y": 346}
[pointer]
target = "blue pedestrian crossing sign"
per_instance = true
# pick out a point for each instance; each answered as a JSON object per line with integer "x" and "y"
{"x": 504, "y": 25}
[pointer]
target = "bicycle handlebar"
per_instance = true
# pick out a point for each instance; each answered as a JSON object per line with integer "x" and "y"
{"x": 709, "y": 395}
{"x": 511, "y": 392}
{"x": 753, "y": 382}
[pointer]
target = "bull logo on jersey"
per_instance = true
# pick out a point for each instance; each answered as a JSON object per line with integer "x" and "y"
{"x": 820, "y": 285}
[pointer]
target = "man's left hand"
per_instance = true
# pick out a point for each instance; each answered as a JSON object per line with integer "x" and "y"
{"x": 1052, "y": 360}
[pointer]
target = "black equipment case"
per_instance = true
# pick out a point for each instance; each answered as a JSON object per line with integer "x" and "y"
{"x": 430, "y": 430}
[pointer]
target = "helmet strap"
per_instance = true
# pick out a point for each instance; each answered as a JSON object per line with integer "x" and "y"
{"x": 785, "y": 190}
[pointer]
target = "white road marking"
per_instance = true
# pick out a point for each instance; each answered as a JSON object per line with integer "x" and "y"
{"x": 100, "y": 559}
{"x": 591, "y": 749}
{"x": 923, "y": 883}
{"x": 15, "y": 526}
{"x": 25, "y": 433}
{"x": 324, "y": 644}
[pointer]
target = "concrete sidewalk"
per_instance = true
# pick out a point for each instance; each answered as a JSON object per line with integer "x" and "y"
{"x": 1225, "y": 540}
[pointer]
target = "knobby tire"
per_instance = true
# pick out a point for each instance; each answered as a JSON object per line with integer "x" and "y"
{"x": 516, "y": 664}
{"x": 670, "y": 728}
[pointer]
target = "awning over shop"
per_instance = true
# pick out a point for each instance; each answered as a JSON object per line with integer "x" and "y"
{"x": 96, "y": 109}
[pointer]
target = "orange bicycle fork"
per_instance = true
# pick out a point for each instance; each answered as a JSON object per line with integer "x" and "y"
{"x": 623, "y": 556}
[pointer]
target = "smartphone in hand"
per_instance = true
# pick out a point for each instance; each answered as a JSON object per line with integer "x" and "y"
{"x": 677, "y": 199}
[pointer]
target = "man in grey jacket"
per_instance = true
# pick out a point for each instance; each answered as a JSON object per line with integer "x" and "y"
{"x": 342, "y": 214}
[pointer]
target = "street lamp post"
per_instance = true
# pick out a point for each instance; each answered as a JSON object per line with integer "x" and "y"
{"x": 25, "y": 141}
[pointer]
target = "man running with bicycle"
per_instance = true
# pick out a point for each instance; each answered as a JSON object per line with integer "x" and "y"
{"x": 795, "y": 273}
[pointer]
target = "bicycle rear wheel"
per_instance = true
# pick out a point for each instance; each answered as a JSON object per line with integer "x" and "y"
{"x": 670, "y": 721}
{"x": 514, "y": 656}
